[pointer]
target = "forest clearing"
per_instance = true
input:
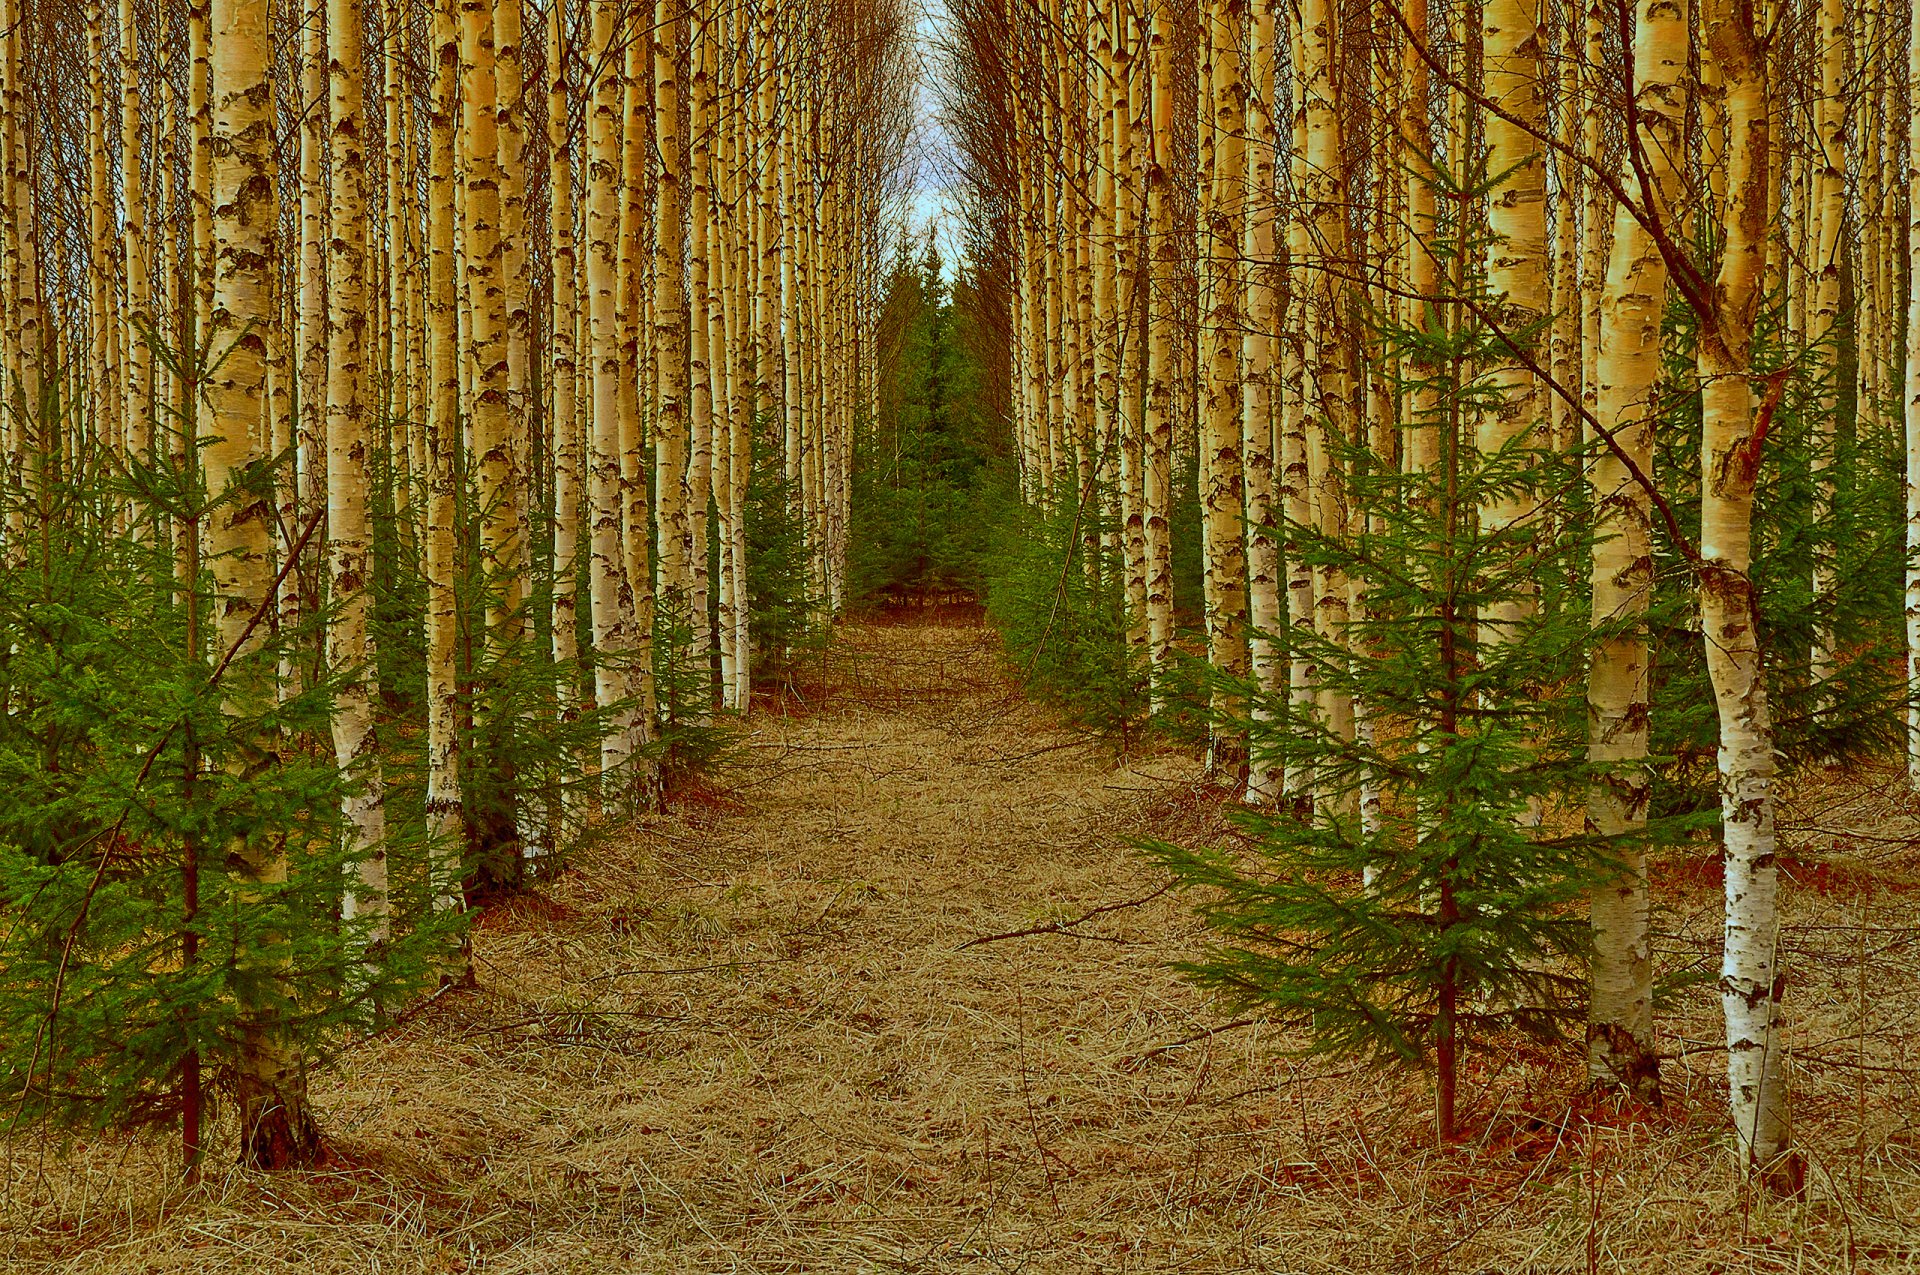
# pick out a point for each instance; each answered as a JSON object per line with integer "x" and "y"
{"x": 750, "y": 1036}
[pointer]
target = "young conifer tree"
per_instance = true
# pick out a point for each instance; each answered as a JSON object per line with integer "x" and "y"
{"x": 1417, "y": 932}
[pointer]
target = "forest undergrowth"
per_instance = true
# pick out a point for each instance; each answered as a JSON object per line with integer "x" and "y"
{"x": 890, "y": 991}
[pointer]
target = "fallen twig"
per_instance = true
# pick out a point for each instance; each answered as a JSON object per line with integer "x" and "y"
{"x": 998, "y": 759}
{"x": 1133, "y": 1061}
{"x": 1066, "y": 927}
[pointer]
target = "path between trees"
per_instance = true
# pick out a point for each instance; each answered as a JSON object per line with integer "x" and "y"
{"x": 751, "y": 1035}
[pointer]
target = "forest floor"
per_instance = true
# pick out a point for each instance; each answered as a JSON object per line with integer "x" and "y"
{"x": 759, "y": 1033}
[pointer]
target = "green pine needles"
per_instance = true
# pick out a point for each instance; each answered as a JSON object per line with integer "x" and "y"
{"x": 926, "y": 497}
{"x": 144, "y": 951}
{"x": 1055, "y": 595}
{"x": 1855, "y": 715}
{"x": 1422, "y": 890}
{"x": 786, "y": 616}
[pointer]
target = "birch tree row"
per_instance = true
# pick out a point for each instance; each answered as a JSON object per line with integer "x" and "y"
{"x": 1681, "y": 217}
{"x": 475, "y": 320}
{"x": 560, "y": 268}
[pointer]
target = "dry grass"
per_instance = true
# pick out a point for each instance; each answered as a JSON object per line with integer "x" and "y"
{"x": 746, "y": 1037}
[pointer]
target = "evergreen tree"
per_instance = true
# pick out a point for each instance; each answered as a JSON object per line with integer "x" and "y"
{"x": 926, "y": 495}
{"x": 139, "y": 958}
{"x": 1056, "y": 599}
{"x": 1427, "y": 897}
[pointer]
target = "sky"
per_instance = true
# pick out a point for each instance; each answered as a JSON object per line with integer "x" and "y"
{"x": 934, "y": 197}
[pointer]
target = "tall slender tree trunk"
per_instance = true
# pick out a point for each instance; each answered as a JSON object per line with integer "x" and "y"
{"x": 792, "y": 425}
{"x": 1259, "y": 399}
{"x": 1424, "y": 406}
{"x": 276, "y": 1124}
{"x": 1564, "y": 340}
{"x": 1516, "y": 260}
{"x": 494, "y": 459}
{"x": 349, "y": 462}
{"x": 1131, "y": 242}
{"x": 635, "y": 249}
{"x": 1157, "y": 432}
{"x": 307, "y": 479}
{"x": 200, "y": 167}
{"x": 1823, "y": 323}
{"x": 703, "y": 355}
{"x": 1224, "y": 577}
{"x": 22, "y": 284}
{"x": 563, "y": 425}
{"x": 18, "y": 441}
{"x": 136, "y": 394}
{"x": 1329, "y": 417}
{"x": 397, "y": 340}
{"x": 616, "y": 644}
{"x": 669, "y": 336}
{"x": 1029, "y": 345}
{"x": 1595, "y": 206}
{"x": 509, "y": 476}
{"x": 746, "y": 147}
{"x": 496, "y": 448}
{"x": 445, "y": 811}
{"x": 1085, "y": 228}
{"x": 102, "y": 403}
{"x": 1620, "y": 1045}
{"x": 1102, "y": 88}
{"x": 1297, "y": 350}
{"x": 1912, "y": 388}
{"x": 1733, "y": 437}
{"x": 725, "y": 329}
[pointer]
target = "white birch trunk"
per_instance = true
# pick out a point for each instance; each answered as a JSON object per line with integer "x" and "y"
{"x": 349, "y": 462}
{"x": 1731, "y": 452}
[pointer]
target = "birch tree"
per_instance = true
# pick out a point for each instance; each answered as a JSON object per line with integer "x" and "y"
{"x": 1620, "y": 1047}
{"x": 669, "y": 335}
{"x": 614, "y": 620}
{"x": 445, "y": 808}
{"x": 563, "y": 424}
{"x": 1912, "y": 388}
{"x": 1157, "y": 419}
{"x": 270, "y": 1085}
{"x": 349, "y": 533}
{"x": 1516, "y": 254}
{"x": 1223, "y": 493}
{"x": 1733, "y": 436}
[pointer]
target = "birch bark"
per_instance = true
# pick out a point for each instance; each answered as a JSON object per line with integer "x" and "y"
{"x": 276, "y": 1123}
{"x": 349, "y": 462}
{"x": 1731, "y": 452}
{"x": 1620, "y": 1044}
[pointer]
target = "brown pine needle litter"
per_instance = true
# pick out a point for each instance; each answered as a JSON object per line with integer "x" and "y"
{"x": 749, "y": 1036}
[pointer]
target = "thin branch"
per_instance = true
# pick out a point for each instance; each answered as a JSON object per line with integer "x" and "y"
{"x": 1066, "y": 927}
{"x": 1133, "y": 1062}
